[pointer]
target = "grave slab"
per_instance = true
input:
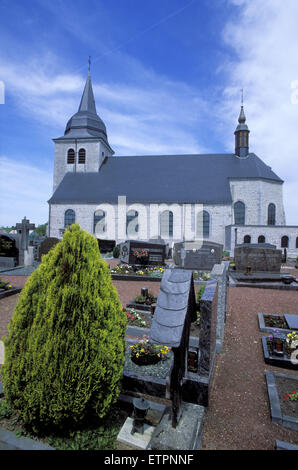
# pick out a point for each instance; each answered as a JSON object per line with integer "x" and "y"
{"x": 186, "y": 435}
{"x": 292, "y": 321}
{"x": 137, "y": 440}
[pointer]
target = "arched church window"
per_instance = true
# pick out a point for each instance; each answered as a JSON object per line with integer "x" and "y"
{"x": 82, "y": 156}
{"x": 70, "y": 156}
{"x": 271, "y": 214}
{"x": 203, "y": 218}
{"x": 247, "y": 239}
{"x": 285, "y": 241}
{"x": 69, "y": 217}
{"x": 166, "y": 224}
{"x": 99, "y": 225}
{"x": 261, "y": 239}
{"x": 132, "y": 226}
{"x": 239, "y": 213}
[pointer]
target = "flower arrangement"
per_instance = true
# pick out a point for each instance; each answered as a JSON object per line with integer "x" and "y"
{"x": 291, "y": 337}
{"x": 292, "y": 396}
{"x": 145, "y": 352}
{"x": 5, "y": 285}
{"x": 141, "y": 254}
{"x": 134, "y": 318}
{"x": 148, "y": 300}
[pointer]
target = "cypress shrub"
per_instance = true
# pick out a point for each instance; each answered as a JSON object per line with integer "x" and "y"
{"x": 65, "y": 352}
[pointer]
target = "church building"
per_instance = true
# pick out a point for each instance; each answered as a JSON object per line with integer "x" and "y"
{"x": 228, "y": 198}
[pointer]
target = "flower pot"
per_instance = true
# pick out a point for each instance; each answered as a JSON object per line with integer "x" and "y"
{"x": 146, "y": 359}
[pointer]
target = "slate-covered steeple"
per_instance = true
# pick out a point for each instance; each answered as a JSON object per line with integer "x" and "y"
{"x": 86, "y": 122}
{"x": 242, "y": 136}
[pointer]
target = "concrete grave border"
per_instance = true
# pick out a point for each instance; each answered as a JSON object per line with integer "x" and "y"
{"x": 275, "y": 408}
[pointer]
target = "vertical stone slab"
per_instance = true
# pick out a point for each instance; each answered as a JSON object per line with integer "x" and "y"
{"x": 207, "y": 340}
{"x": 219, "y": 272}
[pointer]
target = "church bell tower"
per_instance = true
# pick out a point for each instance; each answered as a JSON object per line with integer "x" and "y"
{"x": 84, "y": 145}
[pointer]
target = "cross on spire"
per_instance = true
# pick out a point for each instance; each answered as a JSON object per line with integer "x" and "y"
{"x": 89, "y": 64}
{"x": 241, "y": 96}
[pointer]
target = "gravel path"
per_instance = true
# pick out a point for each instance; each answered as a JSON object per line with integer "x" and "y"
{"x": 238, "y": 415}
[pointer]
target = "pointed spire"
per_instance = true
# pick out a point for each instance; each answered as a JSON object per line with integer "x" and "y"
{"x": 242, "y": 117}
{"x": 87, "y": 101}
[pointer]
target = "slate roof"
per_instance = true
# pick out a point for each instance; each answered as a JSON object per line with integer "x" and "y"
{"x": 171, "y": 307}
{"x": 86, "y": 123}
{"x": 156, "y": 179}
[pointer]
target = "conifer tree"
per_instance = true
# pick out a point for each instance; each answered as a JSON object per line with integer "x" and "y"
{"x": 64, "y": 355}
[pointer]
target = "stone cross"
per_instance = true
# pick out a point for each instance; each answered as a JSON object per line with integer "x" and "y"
{"x": 24, "y": 228}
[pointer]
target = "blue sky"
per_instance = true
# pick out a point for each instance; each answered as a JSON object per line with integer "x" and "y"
{"x": 166, "y": 76}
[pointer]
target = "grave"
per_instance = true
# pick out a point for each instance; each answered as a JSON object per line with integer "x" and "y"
{"x": 9, "y": 253}
{"x": 275, "y": 351}
{"x": 26, "y": 256}
{"x": 188, "y": 255}
{"x": 105, "y": 246}
{"x": 144, "y": 253}
{"x": 257, "y": 257}
{"x": 46, "y": 245}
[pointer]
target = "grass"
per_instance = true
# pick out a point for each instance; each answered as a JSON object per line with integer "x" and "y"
{"x": 97, "y": 434}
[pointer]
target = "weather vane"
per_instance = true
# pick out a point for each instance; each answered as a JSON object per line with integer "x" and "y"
{"x": 241, "y": 96}
{"x": 89, "y": 62}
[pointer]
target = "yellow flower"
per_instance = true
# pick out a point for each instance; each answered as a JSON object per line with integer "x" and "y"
{"x": 142, "y": 350}
{"x": 137, "y": 355}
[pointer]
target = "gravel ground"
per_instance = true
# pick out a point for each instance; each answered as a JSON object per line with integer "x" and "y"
{"x": 238, "y": 415}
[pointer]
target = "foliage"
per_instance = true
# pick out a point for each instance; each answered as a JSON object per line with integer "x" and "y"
{"x": 148, "y": 300}
{"x": 65, "y": 352}
{"x": 134, "y": 318}
{"x": 41, "y": 230}
{"x": 145, "y": 348}
{"x": 5, "y": 409}
{"x": 292, "y": 396}
{"x": 200, "y": 292}
{"x": 116, "y": 251}
{"x": 4, "y": 285}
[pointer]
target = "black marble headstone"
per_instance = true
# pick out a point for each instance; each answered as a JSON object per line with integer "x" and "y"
{"x": 156, "y": 252}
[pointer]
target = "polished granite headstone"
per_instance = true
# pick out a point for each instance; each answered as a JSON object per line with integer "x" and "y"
{"x": 194, "y": 255}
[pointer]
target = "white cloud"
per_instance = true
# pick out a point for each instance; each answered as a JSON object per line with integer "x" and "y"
{"x": 264, "y": 37}
{"x": 24, "y": 191}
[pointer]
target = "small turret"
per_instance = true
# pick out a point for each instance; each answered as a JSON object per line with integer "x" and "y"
{"x": 242, "y": 136}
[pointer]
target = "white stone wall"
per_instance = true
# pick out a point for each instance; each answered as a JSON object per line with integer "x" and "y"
{"x": 257, "y": 195}
{"x": 96, "y": 150}
{"x": 184, "y": 215}
{"x": 272, "y": 234}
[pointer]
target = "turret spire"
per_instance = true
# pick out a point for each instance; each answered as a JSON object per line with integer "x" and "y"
{"x": 242, "y": 133}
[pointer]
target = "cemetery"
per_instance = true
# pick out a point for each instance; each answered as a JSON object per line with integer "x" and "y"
{"x": 173, "y": 340}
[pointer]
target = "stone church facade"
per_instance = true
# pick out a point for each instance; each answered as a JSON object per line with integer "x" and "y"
{"x": 224, "y": 198}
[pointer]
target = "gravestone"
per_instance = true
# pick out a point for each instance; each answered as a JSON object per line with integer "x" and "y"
{"x": 23, "y": 231}
{"x": 190, "y": 255}
{"x": 46, "y": 245}
{"x": 9, "y": 252}
{"x": 106, "y": 246}
{"x": 259, "y": 257}
{"x": 174, "y": 312}
{"x": 156, "y": 252}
